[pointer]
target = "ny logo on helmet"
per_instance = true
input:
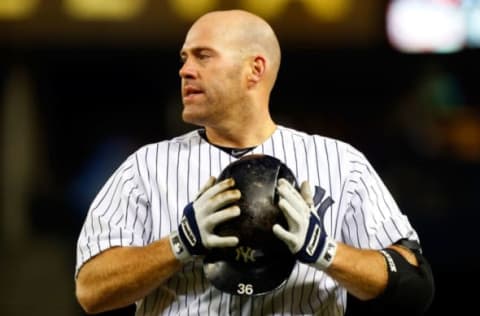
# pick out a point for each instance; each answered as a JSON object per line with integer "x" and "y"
{"x": 245, "y": 253}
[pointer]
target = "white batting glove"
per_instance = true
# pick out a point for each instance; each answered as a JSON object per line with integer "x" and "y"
{"x": 195, "y": 232}
{"x": 305, "y": 236}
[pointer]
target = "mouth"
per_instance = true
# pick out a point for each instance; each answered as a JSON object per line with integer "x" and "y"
{"x": 190, "y": 91}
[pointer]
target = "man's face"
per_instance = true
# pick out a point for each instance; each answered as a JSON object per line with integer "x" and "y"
{"x": 212, "y": 71}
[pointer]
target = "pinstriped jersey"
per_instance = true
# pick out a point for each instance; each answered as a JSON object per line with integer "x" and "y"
{"x": 143, "y": 201}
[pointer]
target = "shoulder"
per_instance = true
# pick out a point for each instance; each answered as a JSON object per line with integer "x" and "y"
{"x": 148, "y": 154}
{"x": 190, "y": 138}
{"x": 323, "y": 141}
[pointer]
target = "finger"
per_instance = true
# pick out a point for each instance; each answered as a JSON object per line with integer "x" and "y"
{"x": 219, "y": 187}
{"x": 281, "y": 232}
{"x": 286, "y": 188}
{"x": 222, "y": 199}
{"x": 291, "y": 214}
{"x": 293, "y": 197}
{"x": 306, "y": 193}
{"x": 215, "y": 241}
{"x": 210, "y": 182}
{"x": 284, "y": 182}
{"x": 285, "y": 236}
{"x": 221, "y": 216}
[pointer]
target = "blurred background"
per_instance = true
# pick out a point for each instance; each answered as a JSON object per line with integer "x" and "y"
{"x": 84, "y": 83}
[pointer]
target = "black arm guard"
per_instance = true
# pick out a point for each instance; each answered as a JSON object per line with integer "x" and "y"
{"x": 410, "y": 289}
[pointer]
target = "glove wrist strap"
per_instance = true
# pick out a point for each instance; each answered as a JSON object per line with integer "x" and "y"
{"x": 178, "y": 248}
{"x": 327, "y": 254}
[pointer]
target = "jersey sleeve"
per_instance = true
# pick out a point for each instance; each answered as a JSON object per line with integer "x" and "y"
{"x": 118, "y": 216}
{"x": 372, "y": 217}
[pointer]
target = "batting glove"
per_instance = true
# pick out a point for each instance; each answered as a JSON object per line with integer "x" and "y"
{"x": 305, "y": 236}
{"x": 195, "y": 232}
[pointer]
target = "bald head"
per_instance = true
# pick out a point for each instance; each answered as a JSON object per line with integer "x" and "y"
{"x": 246, "y": 33}
{"x": 230, "y": 63}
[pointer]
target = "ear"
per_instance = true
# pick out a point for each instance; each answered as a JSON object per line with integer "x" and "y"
{"x": 256, "y": 71}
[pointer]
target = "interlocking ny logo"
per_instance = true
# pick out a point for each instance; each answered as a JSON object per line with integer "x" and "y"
{"x": 245, "y": 253}
{"x": 320, "y": 205}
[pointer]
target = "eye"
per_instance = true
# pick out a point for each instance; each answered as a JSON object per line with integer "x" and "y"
{"x": 182, "y": 59}
{"x": 203, "y": 56}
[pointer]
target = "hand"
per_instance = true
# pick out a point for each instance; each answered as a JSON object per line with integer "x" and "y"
{"x": 195, "y": 232}
{"x": 305, "y": 236}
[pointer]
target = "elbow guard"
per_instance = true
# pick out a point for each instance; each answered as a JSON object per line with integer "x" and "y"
{"x": 410, "y": 289}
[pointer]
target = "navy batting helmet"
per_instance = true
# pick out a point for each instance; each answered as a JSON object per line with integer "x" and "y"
{"x": 260, "y": 262}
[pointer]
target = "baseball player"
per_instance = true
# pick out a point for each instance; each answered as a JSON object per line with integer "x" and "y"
{"x": 153, "y": 221}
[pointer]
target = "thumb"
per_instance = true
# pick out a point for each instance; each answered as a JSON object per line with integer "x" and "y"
{"x": 306, "y": 193}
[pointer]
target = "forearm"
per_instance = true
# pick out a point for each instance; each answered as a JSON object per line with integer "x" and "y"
{"x": 119, "y": 276}
{"x": 363, "y": 272}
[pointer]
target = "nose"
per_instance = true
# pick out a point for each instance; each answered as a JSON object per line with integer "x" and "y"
{"x": 187, "y": 71}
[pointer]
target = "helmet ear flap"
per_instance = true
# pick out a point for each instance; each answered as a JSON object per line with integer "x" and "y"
{"x": 261, "y": 260}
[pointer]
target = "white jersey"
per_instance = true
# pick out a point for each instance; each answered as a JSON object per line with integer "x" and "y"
{"x": 143, "y": 201}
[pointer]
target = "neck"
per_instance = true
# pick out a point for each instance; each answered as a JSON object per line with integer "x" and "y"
{"x": 241, "y": 134}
